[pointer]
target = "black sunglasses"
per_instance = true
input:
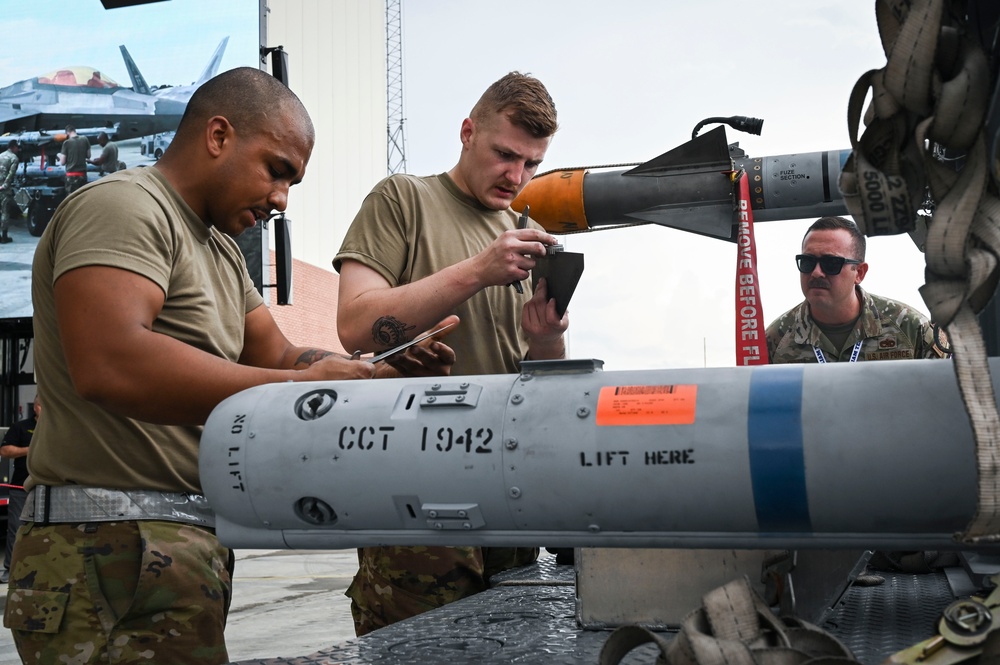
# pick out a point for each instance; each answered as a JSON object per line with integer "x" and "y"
{"x": 831, "y": 265}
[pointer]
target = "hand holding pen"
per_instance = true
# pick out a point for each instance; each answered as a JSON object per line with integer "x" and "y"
{"x": 522, "y": 223}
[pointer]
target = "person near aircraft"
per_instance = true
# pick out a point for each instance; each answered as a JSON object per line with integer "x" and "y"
{"x": 74, "y": 155}
{"x": 108, "y": 159}
{"x": 9, "y": 162}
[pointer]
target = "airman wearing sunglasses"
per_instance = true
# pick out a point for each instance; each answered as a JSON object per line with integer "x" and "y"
{"x": 839, "y": 321}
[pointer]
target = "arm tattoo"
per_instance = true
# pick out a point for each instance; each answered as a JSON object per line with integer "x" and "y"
{"x": 388, "y": 331}
{"x": 311, "y": 356}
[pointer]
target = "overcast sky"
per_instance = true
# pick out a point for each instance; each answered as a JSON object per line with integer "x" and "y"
{"x": 630, "y": 79}
{"x": 171, "y": 42}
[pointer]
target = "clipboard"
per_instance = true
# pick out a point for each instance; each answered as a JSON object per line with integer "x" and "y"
{"x": 562, "y": 271}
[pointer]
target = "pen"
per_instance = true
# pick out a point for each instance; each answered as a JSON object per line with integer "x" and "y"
{"x": 402, "y": 347}
{"x": 405, "y": 345}
{"x": 522, "y": 223}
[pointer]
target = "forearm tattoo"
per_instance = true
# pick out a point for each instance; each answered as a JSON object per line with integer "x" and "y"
{"x": 389, "y": 331}
{"x": 311, "y": 356}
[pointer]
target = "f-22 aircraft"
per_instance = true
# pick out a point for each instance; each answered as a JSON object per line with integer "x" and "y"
{"x": 180, "y": 93}
{"x": 84, "y": 97}
{"x": 36, "y": 111}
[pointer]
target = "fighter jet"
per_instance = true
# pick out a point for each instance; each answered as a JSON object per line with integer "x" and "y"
{"x": 180, "y": 93}
{"x": 84, "y": 97}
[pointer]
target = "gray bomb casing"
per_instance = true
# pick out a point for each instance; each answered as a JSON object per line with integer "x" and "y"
{"x": 876, "y": 454}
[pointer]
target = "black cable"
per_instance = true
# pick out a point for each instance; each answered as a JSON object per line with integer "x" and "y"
{"x": 738, "y": 122}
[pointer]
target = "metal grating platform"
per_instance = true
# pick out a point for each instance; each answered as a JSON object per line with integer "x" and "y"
{"x": 875, "y": 622}
{"x": 529, "y": 617}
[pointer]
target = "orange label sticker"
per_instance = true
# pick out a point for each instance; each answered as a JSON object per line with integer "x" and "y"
{"x": 647, "y": 405}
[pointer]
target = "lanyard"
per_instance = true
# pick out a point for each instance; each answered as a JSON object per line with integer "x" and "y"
{"x": 821, "y": 359}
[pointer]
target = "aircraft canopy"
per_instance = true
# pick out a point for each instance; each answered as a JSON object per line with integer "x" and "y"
{"x": 80, "y": 77}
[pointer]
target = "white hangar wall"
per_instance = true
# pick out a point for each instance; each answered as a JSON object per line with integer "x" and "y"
{"x": 337, "y": 67}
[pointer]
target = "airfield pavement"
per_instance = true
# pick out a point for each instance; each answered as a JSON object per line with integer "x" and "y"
{"x": 16, "y": 257}
{"x": 285, "y": 603}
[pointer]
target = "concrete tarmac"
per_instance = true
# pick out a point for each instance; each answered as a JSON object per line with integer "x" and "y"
{"x": 290, "y": 602}
{"x": 16, "y": 257}
{"x": 15, "y": 272}
{"x": 285, "y": 603}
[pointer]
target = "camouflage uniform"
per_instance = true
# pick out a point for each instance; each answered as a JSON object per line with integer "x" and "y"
{"x": 889, "y": 330}
{"x": 8, "y": 168}
{"x": 396, "y": 583}
{"x": 185, "y": 572}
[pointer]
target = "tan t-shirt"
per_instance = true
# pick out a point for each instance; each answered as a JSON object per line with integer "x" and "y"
{"x": 132, "y": 220}
{"x": 409, "y": 228}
